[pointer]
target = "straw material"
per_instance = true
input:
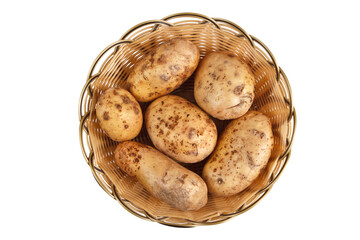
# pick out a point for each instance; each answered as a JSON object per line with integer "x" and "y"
{"x": 114, "y": 64}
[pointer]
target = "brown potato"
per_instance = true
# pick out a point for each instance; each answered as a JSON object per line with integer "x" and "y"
{"x": 243, "y": 150}
{"x": 224, "y": 86}
{"x": 161, "y": 176}
{"x": 119, "y": 114}
{"x": 163, "y": 70}
{"x": 180, "y": 129}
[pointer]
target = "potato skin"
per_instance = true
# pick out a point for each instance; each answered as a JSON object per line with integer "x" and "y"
{"x": 119, "y": 114}
{"x": 161, "y": 176}
{"x": 180, "y": 129}
{"x": 163, "y": 70}
{"x": 224, "y": 86}
{"x": 243, "y": 150}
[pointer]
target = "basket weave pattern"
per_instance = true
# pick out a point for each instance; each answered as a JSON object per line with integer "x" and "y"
{"x": 111, "y": 69}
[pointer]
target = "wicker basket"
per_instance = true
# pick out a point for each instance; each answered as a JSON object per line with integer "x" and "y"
{"x": 112, "y": 67}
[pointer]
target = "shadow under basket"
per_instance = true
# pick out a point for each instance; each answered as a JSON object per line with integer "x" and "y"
{"x": 111, "y": 69}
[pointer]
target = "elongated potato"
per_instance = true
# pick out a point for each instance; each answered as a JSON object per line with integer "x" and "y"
{"x": 119, "y": 114}
{"x": 161, "y": 176}
{"x": 243, "y": 150}
{"x": 180, "y": 129}
{"x": 164, "y": 69}
{"x": 224, "y": 86}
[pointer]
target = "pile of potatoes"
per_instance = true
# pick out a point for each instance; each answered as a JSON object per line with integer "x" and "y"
{"x": 182, "y": 132}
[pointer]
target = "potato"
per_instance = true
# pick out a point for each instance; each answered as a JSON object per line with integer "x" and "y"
{"x": 224, "y": 86}
{"x": 243, "y": 150}
{"x": 119, "y": 114}
{"x": 161, "y": 176}
{"x": 163, "y": 70}
{"x": 180, "y": 129}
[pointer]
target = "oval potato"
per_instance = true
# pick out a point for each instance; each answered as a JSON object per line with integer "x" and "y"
{"x": 161, "y": 176}
{"x": 164, "y": 69}
{"x": 243, "y": 150}
{"x": 119, "y": 114}
{"x": 224, "y": 86}
{"x": 180, "y": 129}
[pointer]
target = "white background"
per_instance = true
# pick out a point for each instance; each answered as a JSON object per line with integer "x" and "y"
{"x": 47, "y": 189}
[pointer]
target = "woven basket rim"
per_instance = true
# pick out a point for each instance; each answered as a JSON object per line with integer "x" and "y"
{"x": 83, "y": 116}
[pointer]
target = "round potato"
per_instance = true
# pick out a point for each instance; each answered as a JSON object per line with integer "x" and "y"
{"x": 224, "y": 86}
{"x": 163, "y": 70}
{"x": 243, "y": 150}
{"x": 161, "y": 176}
{"x": 119, "y": 114}
{"x": 180, "y": 129}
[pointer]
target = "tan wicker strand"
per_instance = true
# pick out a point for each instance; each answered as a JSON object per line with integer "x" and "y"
{"x": 97, "y": 178}
{"x": 82, "y": 95}
{"x": 81, "y": 131}
{"x": 191, "y": 15}
{"x": 102, "y": 54}
{"x": 273, "y": 97}
{"x": 236, "y": 28}
{"x": 140, "y": 25}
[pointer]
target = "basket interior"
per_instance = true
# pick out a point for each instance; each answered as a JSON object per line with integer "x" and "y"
{"x": 270, "y": 99}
